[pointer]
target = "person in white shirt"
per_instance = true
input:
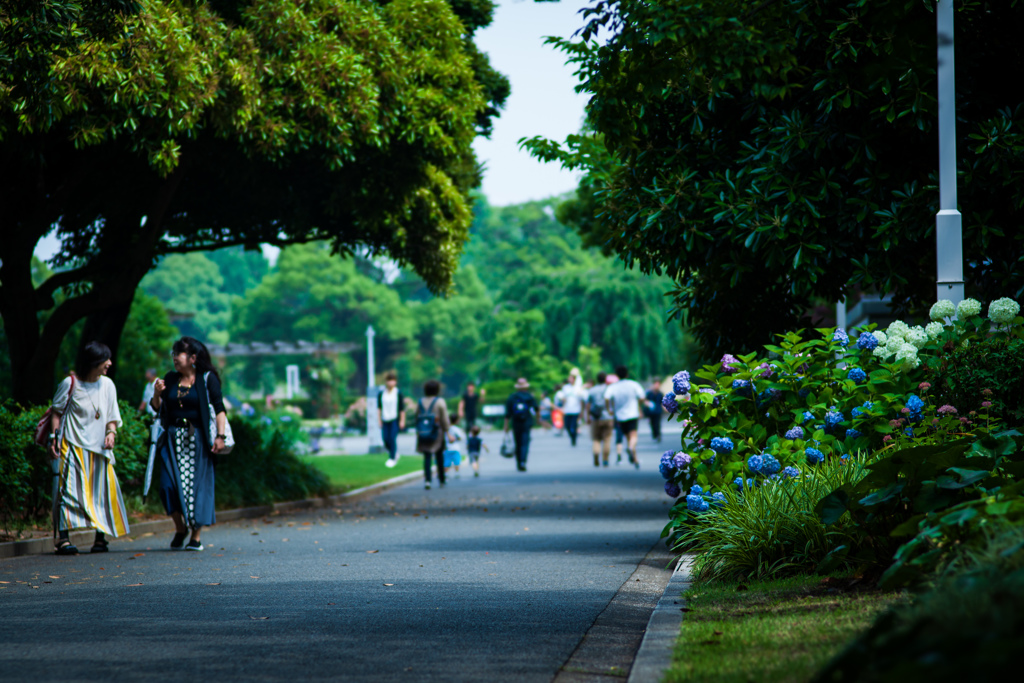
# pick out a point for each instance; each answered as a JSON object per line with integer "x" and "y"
{"x": 455, "y": 448}
{"x": 391, "y": 416}
{"x": 624, "y": 400}
{"x": 571, "y": 397}
{"x": 84, "y": 420}
{"x": 147, "y": 393}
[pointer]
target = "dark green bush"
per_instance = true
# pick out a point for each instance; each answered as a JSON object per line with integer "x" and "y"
{"x": 994, "y": 364}
{"x": 263, "y": 468}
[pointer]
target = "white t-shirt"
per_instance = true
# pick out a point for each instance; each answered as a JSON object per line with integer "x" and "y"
{"x": 460, "y": 440}
{"x": 625, "y": 396}
{"x": 571, "y": 398}
{"x": 389, "y": 405}
{"x": 79, "y": 423}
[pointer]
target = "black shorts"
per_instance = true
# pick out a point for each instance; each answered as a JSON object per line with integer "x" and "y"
{"x": 628, "y": 426}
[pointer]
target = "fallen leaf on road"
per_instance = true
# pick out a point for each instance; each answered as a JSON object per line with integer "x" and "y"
{"x": 213, "y": 584}
{"x": 148, "y": 533}
{"x": 258, "y": 618}
{"x": 526, "y": 528}
{"x": 52, "y": 577}
{"x": 254, "y": 577}
{"x": 9, "y": 581}
{"x": 139, "y": 555}
{"x": 134, "y": 584}
{"x": 284, "y": 540}
{"x": 371, "y": 552}
{"x": 389, "y": 584}
{"x": 306, "y": 523}
{"x": 330, "y": 603}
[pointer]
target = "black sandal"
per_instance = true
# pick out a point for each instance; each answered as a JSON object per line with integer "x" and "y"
{"x": 179, "y": 540}
{"x": 100, "y": 546}
{"x": 65, "y": 547}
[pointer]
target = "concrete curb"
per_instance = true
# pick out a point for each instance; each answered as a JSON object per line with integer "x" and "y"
{"x": 655, "y": 654}
{"x": 83, "y": 539}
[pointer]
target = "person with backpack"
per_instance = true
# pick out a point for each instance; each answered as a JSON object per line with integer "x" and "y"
{"x": 601, "y": 424}
{"x": 432, "y": 425}
{"x": 520, "y": 408}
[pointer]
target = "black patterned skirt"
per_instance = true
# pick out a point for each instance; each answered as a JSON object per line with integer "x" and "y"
{"x": 187, "y": 476}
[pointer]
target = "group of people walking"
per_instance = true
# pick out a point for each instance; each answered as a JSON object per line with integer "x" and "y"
{"x": 82, "y": 441}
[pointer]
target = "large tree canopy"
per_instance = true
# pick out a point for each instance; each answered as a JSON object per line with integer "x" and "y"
{"x": 767, "y": 155}
{"x": 193, "y": 125}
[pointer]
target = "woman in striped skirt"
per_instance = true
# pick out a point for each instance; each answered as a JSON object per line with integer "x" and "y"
{"x": 85, "y": 420}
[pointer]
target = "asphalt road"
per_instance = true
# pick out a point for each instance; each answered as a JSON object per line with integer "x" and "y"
{"x": 496, "y": 578}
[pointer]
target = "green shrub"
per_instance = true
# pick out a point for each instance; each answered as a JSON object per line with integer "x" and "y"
{"x": 770, "y": 530}
{"x": 263, "y": 468}
{"x": 996, "y": 365}
{"x": 970, "y": 626}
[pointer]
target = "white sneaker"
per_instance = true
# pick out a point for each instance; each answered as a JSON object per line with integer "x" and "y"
{"x": 391, "y": 462}
{"x": 427, "y": 486}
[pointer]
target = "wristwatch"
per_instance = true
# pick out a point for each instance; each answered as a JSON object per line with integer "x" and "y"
{"x": 221, "y": 437}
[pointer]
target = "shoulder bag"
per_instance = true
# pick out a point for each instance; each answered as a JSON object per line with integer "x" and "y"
{"x": 42, "y": 436}
{"x": 229, "y": 437}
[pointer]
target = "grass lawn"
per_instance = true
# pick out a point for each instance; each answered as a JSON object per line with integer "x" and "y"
{"x": 783, "y": 630}
{"x": 348, "y": 472}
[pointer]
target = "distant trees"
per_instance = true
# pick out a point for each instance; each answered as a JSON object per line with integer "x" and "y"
{"x": 768, "y": 155}
{"x": 140, "y": 129}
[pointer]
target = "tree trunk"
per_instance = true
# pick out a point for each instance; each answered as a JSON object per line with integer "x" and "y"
{"x": 106, "y": 326}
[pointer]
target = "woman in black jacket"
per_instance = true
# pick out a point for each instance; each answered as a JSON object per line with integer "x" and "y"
{"x": 185, "y": 400}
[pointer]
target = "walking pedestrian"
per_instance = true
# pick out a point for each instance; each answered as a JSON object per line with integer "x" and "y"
{"x": 546, "y": 404}
{"x": 654, "y": 408}
{"x": 570, "y": 398}
{"x": 147, "y": 393}
{"x": 391, "y": 416}
{"x": 432, "y": 424}
{"x": 599, "y": 417}
{"x": 520, "y": 408}
{"x": 84, "y": 420}
{"x": 473, "y": 445}
{"x": 455, "y": 446}
{"x": 624, "y": 398}
{"x": 185, "y": 399}
{"x": 468, "y": 405}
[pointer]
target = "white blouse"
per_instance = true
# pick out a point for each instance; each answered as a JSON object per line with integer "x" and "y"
{"x": 79, "y": 423}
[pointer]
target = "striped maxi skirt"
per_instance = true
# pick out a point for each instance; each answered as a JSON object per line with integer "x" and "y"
{"x": 88, "y": 493}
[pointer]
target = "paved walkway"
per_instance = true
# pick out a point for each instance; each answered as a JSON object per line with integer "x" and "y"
{"x": 497, "y": 578}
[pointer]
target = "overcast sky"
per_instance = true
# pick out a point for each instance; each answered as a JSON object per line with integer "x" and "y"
{"x": 542, "y": 102}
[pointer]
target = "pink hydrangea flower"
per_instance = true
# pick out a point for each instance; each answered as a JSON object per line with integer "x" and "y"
{"x": 924, "y": 386}
{"x": 986, "y": 404}
{"x": 767, "y": 370}
{"x": 727, "y": 363}
{"x": 886, "y": 438}
{"x": 946, "y": 410}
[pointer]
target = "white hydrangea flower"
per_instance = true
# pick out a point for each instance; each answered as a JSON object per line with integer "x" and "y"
{"x": 881, "y": 337}
{"x": 894, "y": 342}
{"x": 1003, "y": 310}
{"x": 917, "y": 337}
{"x": 882, "y": 353}
{"x": 968, "y": 308}
{"x": 941, "y": 309}
{"x": 898, "y": 328}
{"x": 933, "y": 330}
{"x": 906, "y": 356}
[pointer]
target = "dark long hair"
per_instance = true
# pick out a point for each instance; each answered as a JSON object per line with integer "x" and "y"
{"x": 193, "y": 347}
{"x": 90, "y": 356}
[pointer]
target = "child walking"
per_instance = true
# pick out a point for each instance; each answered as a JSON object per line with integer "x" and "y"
{"x": 473, "y": 445}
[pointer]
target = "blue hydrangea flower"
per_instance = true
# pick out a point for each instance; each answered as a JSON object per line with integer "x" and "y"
{"x": 857, "y": 375}
{"x": 681, "y": 461}
{"x": 696, "y": 490}
{"x": 804, "y": 392}
{"x": 769, "y": 395}
{"x": 909, "y": 431}
{"x": 807, "y": 416}
{"x": 814, "y": 456}
{"x": 840, "y": 337}
{"x": 696, "y": 503}
{"x": 795, "y": 433}
{"x": 754, "y": 462}
{"x": 738, "y": 483}
{"x": 833, "y": 419}
{"x": 867, "y": 341}
{"x": 670, "y": 404}
{"x": 741, "y": 387}
{"x": 853, "y": 434}
{"x": 672, "y": 489}
{"x": 721, "y": 444}
{"x": 915, "y": 405}
{"x": 790, "y": 472}
{"x": 718, "y": 498}
{"x": 769, "y": 465}
{"x": 681, "y": 382}
{"x": 666, "y": 470}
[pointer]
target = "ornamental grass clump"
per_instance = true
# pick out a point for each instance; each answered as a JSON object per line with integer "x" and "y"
{"x": 766, "y": 531}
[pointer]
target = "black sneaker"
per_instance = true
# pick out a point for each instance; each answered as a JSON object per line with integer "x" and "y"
{"x": 195, "y": 546}
{"x": 179, "y": 540}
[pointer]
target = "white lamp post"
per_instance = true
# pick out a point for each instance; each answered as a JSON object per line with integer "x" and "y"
{"x": 372, "y": 431}
{"x": 948, "y": 222}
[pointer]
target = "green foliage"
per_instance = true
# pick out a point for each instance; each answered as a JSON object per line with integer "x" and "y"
{"x": 996, "y": 366}
{"x": 741, "y": 149}
{"x": 145, "y": 343}
{"x": 970, "y": 625}
{"x": 192, "y": 284}
{"x": 768, "y": 531}
{"x": 263, "y": 468}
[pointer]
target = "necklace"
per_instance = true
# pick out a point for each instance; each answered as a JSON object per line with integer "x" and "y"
{"x": 183, "y": 392}
{"x": 88, "y": 395}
